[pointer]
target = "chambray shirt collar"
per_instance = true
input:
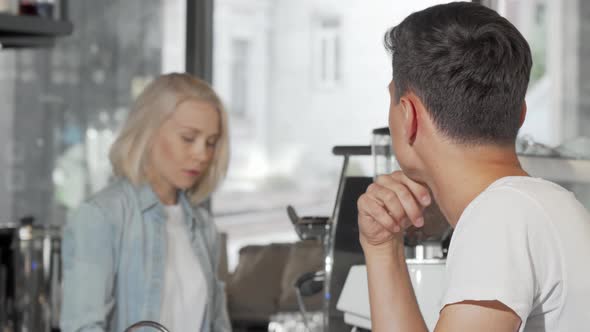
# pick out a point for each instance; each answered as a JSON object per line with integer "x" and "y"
{"x": 148, "y": 200}
{"x": 147, "y": 197}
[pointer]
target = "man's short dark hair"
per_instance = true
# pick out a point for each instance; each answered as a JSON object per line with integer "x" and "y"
{"x": 469, "y": 66}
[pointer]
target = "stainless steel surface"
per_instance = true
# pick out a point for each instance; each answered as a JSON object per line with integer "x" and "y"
{"x": 343, "y": 249}
{"x": 37, "y": 276}
{"x": 147, "y": 323}
{"x": 341, "y": 246}
{"x": 301, "y": 305}
{"x": 329, "y": 245}
{"x": 566, "y": 163}
{"x": 426, "y": 261}
{"x": 383, "y": 160}
{"x": 308, "y": 284}
{"x": 8, "y": 225}
{"x": 559, "y": 170}
{"x": 292, "y": 322}
{"x": 309, "y": 227}
{"x": 425, "y": 251}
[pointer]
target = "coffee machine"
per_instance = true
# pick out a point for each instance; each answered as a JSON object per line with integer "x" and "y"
{"x": 567, "y": 165}
{"x": 425, "y": 248}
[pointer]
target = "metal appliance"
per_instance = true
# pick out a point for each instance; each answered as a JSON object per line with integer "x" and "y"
{"x": 30, "y": 277}
{"x": 567, "y": 165}
{"x": 425, "y": 247}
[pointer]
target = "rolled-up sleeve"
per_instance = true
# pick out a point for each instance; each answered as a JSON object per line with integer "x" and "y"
{"x": 88, "y": 270}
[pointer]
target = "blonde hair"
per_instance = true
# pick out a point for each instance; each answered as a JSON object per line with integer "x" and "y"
{"x": 157, "y": 102}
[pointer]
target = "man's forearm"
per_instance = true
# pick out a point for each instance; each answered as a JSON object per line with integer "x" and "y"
{"x": 393, "y": 302}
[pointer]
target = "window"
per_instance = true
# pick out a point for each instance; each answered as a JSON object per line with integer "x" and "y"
{"x": 56, "y": 142}
{"x": 552, "y": 29}
{"x": 239, "y": 80}
{"x": 312, "y": 74}
{"x": 327, "y": 52}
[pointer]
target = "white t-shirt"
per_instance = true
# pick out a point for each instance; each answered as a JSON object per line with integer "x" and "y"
{"x": 184, "y": 295}
{"x": 526, "y": 243}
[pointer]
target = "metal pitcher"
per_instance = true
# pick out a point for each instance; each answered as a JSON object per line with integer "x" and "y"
{"x": 37, "y": 276}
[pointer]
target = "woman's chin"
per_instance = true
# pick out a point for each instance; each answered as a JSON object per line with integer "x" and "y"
{"x": 185, "y": 185}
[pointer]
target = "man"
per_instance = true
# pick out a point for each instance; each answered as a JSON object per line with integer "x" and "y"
{"x": 519, "y": 253}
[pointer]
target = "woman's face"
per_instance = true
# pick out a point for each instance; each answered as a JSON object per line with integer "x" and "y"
{"x": 184, "y": 146}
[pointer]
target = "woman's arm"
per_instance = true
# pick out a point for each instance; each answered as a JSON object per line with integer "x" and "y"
{"x": 221, "y": 321}
{"x": 88, "y": 270}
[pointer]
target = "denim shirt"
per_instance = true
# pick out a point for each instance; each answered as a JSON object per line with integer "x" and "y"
{"x": 113, "y": 251}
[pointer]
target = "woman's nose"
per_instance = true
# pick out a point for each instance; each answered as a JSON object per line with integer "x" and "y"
{"x": 199, "y": 151}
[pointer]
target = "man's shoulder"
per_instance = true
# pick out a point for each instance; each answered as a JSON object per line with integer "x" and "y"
{"x": 526, "y": 185}
{"x": 513, "y": 205}
{"x": 518, "y": 197}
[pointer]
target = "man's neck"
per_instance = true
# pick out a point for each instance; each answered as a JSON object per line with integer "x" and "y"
{"x": 458, "y": 178}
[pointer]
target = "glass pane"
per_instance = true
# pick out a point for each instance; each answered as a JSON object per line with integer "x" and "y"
{"x": 317, "y": 77}
{"x": 554, "y": 29}
{"x": 62, "y": 106}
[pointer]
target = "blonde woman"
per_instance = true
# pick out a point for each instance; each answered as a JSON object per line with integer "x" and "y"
{"x": 142, "y": 248}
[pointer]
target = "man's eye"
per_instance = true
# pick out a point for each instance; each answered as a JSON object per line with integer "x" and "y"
{"x": 188, "y": 139}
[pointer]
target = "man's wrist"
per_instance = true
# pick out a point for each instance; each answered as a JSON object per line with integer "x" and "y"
{"x": 390, "y": 249}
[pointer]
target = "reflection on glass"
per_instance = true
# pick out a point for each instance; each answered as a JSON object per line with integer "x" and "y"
{"x": 298, "y": 78}
{"x": 64, "y": 104}
{"x": 552, "y": 29}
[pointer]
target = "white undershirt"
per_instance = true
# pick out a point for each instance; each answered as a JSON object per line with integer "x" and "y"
{"x": 526, "y": 243}
{"x": 184, "y": 295}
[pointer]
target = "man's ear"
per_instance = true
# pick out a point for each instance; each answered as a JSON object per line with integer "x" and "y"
{"x": 522, "y": 113}
{"x": 410, "y": 119}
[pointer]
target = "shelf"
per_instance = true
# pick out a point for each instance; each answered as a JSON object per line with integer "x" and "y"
{"x": 31, "y": 31}
{"x": 559, "y": 170}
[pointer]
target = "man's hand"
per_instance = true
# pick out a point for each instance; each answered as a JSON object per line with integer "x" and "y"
{"x": 391, "y": 204}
